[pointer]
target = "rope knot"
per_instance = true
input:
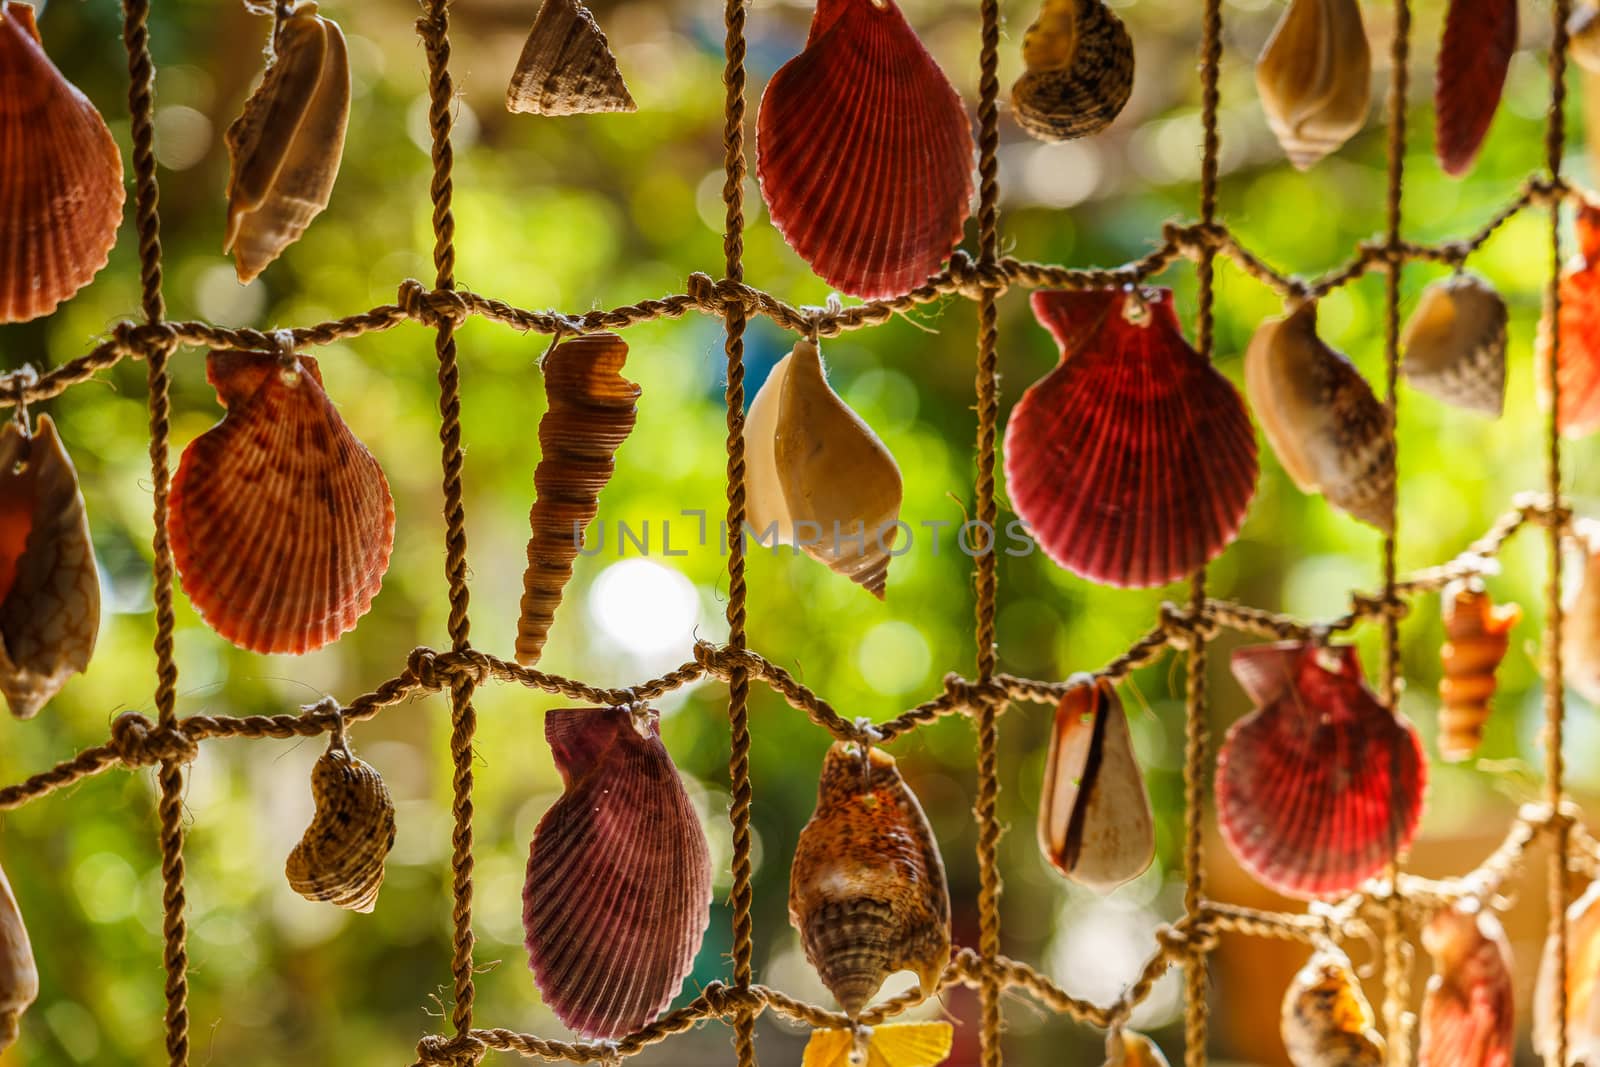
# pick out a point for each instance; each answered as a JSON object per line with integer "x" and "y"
{"x": 721, "y": 293}
{"x": 1382, "y": 604}
{"x": 1183, "y": 627}
{"x": 973, "y": 694}
{"x": 138, "y": 339}
{"x": 718, "y": 998}
{"x": 1185, "y": 941}
{"x": 140, "y": 743}
{"x": 972, "y": 279}
{"x": 1195, "y": 238}
{"x": 423, "y": 665}
{"x": 462, "y": 1050}
{"x": 432, "y": 307}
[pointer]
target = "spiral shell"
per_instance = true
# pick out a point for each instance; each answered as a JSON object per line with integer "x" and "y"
{"x": 1315, "y": 77}
{"x": 340, "y": 857}
{"x": 1478, "y": 636}
{"x": 1468, "y": 1012}
{"x": 1455, "y": 344}
{"x": 566, "y": 67}
{"x": 1327, "y": 1021}
{"x": 1079, "y": 75}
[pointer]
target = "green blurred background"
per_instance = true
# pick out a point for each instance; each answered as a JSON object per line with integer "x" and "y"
{"x": 589, "y": 212}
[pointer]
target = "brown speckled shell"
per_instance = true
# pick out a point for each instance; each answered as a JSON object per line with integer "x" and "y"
{"x": 1455, "y": 344}
{"x": 1477, "y": 637}
{"x": 1327, "y": 1021}
{"x": 340, "y": 857}
{"x": 566, "y": 67}
{"x": 1059, "y": 101}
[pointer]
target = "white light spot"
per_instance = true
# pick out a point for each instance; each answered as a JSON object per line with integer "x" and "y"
{"x": 646, "y": 608}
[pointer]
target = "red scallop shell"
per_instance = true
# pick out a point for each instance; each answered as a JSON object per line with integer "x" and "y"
{"x": 864, "y": 151}
{"x": 1134, "y": 461}
{"x": 1579, "y": 368}
{"x": 1479, "y": 39}
{"x": 1321, "y": 786}
{"x": 281, "y": 520}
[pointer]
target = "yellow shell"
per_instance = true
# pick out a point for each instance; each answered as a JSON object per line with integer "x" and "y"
{"x": 1327, "y": 1021}
{"x": 1079, "y": 75}
{"x": 566, "y": 67}
{"x": 340, "y": 858}
{"x": 19, "y": 978}
{"x": 884, "y": 1045}
{"x": 1130, "y": 1049}
{"x": 1315, "y": 78}
{"x": 1478, "y": 636}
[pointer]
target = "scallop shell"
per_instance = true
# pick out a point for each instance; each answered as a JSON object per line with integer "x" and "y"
{"x": 1315, "y": 77}
{"x": 1130, "y": 1049}
{"x": 864, "y": 151}
{"x": 1321, "y": 786}
{"x": 618, "y": 894}
{"x": 867, "y": 891}
{"x": 281, "y": 520}
{"x": 1327, "y": 1021}
{"x": 19, "y": 977}
{"x": 884, "y": 1045}
{"x": 591, "y": 411}
{"x": 1579, "y": 367}
{"x": 62, "y": 184}
{"x": 1477, "y": 637}
{"x": 1330, "y": 432}
{"x": 1095, "y": 824}
{"x": 566, "y": 67}
{"x": 286, "y": 147}
{"x": 1468, "y": 1010}
{"x": 817, "y": 477}
{"x": 1583, "y": 36}
{"x": 340, "y": 857}
{"x": 1580, "y": 637}
{"x": 1455, "y": 344}
{"x": 1480, "y": 36}
{"x": 1583, "y": 982}
{"x": 49, "y": 586}
{"x": 1079, "y": 75}
{"x": 1134, "y": 461}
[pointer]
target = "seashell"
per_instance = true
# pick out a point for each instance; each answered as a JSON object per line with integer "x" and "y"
{"x": 884, "y": 1045}
{"x": 1130, "y": 1049}
{"x": 281, "y": 520}
{"x": 1468, "y": 1010}
{"x": 1079, "y": 75}
{"x": 1477, "y": 638}
{"x": 1132, "y": 462}
{"x": 1315, "y": 77}
{"x": 1330, "y": 432}
{"x": 817, "y": 477}
{"x": 62, "y": 178}
{"x": 1480, "y": 37}
{"x": 1455, "y": 344}
{"x": 19, "y": 977}
{"x": 566, "y": 67}
{"x": 1583, "y": 36}
{"x": 590, "y": 412}
{"x": 1583, "y": 982}
{"x": 867, "y": 890}
{"x": 49, "y": 586}
{"x": 864, "y": 151}
{"x": 1580, "y": 637}
{"x": 1579, "y": 367}
{"x": 340, "y": 857}
{"x": 618, "y": 894}
{"x": 1095, "y": 825}
{"x": 1321, "y": 786}
{"x": 1327, "y": 1021}
{"x": 286, "y": 146}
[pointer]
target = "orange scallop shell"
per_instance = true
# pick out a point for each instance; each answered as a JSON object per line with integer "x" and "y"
{"x": 1579, "y": 367}
{"x": 281, "y": 520}
{"x": 1468, "y": 1012}
{"x": 1480, "y": 37}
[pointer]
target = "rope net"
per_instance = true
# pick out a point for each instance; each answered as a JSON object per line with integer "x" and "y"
{"x": 1388, "y": 908}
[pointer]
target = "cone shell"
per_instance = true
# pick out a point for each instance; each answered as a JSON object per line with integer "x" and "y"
{"x": 1455, "y": 344}
{"x": 286, "y": 147}
{"x": 60, "y": 177}
{"x": 1132, "y": 462}
{"x": 340, "y": 857}
{"x": 281, "y": 520}
{"x": 1477, "y": 637}
{"x": 1330, "y": 432}
{"x": 1468, "y": 1011}
{"x": 817, "y": 476}
{"x": 1583, "y": 36}
{"x": 19, "y": 977}
{"x": 884, "y": 1045}
{"x": 867, "y": 891}
{"x": 1579, "y": 368}
{"x": 1583, "y": 983}
{"x": 1327, "y": 1021}
{"x": 1580, "y": 636}
{"x": 1095, "y": 824}
{"x": 1315, "y": 78}
{"x": 1130, "y": 1049}
{"x": 1079, "y": 75}
{"x": 864, "y": 151}
{"x": 1321, "y": 786}
{"x": 566, "y": 66}
{"x": 49, "y": 586}
{"x": 591, "y": 411}
{"x": 1480, "y": 37}
{"x": 618, "y": 893}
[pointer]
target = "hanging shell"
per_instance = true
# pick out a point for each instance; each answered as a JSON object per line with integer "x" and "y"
{"x": 1583, "y": 982}
{"x": 1315, "y": 78}
{"x": 1330, "y": 432}
{"x": 340, "y": 857}
{"x": 286, "y": 147}
{"x": 1579, "y": 367}
{"x": 1480, "y": 36}
{"x": 1477, "y": 636}
{"x": 1321, "y": 786}
{"x": 19, "y": 977}
{"x": 1583, "y": 36}
{"x": 817, "y": 477}
{"x": 1580, "y": 637}
{"x": 1134, "y": 461}
{"x": 1079, "y": 75}
{"x": 867, "y": 890}
{"x": 1455, "y": 344}
{"x": 1095, "y": 824}
{"x": 618, "y": 894}
{"x": 1130, "y": 1049}
{"x": 591, "y": 411}
{"x": 60, "y": 177}
{"x": 281, "y": 520}
{"x": 864, "y": 151}
{"x": 566, "y": 66}
{"x": 884, "y": 1045}
{"x": 1468, "y": 1010}
{"x": 1327, "y": 1021}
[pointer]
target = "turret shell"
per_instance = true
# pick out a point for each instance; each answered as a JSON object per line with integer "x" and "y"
{"x": 1477, "y": 638}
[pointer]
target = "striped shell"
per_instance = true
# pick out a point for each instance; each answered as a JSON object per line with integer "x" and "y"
{"x": 1480, "y": 36}
{"x": 1079, "y": 75}
{"x": 1314, "y": 77}
{"x": 1468, "y": 1012}
{"x": 1579, "y": 367}
{"x": 566, "y": 67}
{"x": 1583, "y": 986}
{"x": 340, "y": 857}
{"x": 1477, "y": 637}
{"x": 1455, "y": 344}
{"x": 1327, "y": 1021}
{"x": 19, "y": 976}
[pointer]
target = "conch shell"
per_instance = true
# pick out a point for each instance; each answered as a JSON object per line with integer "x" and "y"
{"x": 591, "y": 411}
{"x": 817, "y": 477}
{"x": 19, "y": 977}
{"x": 1583, "y": 982}
{"x": 1468, "y": 1010}
{"x": 566, "y": 66}
{"x": 1095, "y": 824}
{"x": 340, "y": 857}
{"x": 1583, "y": 36}
{"x": 1327, "y": 1021}
{"x": 286, "y": 146}
{"x": 1130, "y": 1049}
{"x": 867, "y": 890}
{"x": 1079, "y": 75}
{"x": 61, "y": 186}
{"x": 1322, "y": 418}
{"x": 1455, "y": 344}
{"x": 1579, "y": 366}
{"x": 49, "y": 587}
{"x": 1480, "y": 36}
{"x": 1315, "y": 78}
{"x": 884, "y": 1045}
{"x": 1478, "y": 635}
